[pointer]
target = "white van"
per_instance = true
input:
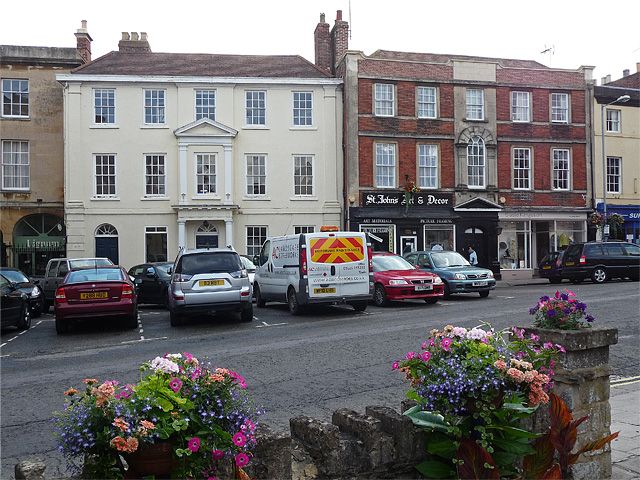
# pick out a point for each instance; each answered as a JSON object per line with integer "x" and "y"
{"x": 322, "y": 267}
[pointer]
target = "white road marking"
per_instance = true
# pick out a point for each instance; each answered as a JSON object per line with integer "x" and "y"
{"x": 6, "y": 355}
{"x": 144, "y": 340}
{"x": 265, "y": 324}
{"x": 625, "y": 383}
{"x": 21, "y": 333}
{"x": 502, "y": 296}
{"x": 628, "y": 379}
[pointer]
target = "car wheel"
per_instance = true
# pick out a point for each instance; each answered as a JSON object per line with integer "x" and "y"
{"x": 599, "y": 275}
{"x": 132, "y": 321}
{"x": 25, "y": 318}
{"x": 380, "y": 296}
{"x": 246, "y": 314}
{"x": 37, "y": 311}
{"x": 46, "y": 305}
{"x": 576, "y": 281}
{"x": 431, "y": 300}
{"x": 292, "y": 301}
{"x": 447, "y": 290}
{"x": 260, "y": 302}
{"x": 359, "y": 306}
{"x": 484, "y": 293}
{"x": 62, "y": 326}
{"x": 176, "y": 320}
{"x": 555, "y": 280}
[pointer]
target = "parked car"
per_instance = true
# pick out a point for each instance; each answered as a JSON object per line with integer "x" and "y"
{"x": 249, "y": 266}
{"x": 325, "y": 267}
{"x": 204, "y": 281}
{"x": 458, "y": 275}
{"x": 601, "y": 261}
{"x": 28, "y": 286}
{"x": 57, "y": 269}
{"x": 551, "y": 267}
{"x": 88, "y": 293}
{"x": 14, "y": 305}
{"x": 396, "y": 279}
{"x": 152, "y": 282}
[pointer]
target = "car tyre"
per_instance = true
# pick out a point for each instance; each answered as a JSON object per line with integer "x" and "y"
{"x": 599, "y": 275}
{"x": 25, "y": 318}
{"x": 431, "y": 300}
{"x": 484, "y": 293}
{"x": 380, "y": 296}
{"x": 175, "y": 319}
{"x": 292, "y": 301}
{"x": 62, "y": 326}
{"x": 132, "y": 321}
{"x": 46, "y": 305}
{"x": 447, "y": 290}
{"x": 246, "y": 314}
{"x": 359, "y": 306}
{"x": 260, "y": 302}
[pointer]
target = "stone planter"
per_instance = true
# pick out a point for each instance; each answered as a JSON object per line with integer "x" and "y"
{"x": 582, "y": 381}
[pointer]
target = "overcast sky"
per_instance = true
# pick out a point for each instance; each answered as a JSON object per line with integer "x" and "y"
{"x": 605, "y": 35}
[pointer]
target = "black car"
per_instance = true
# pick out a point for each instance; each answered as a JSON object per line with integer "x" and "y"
{"x": 14, "y": 305}
{"x": 28, "y": 287}
{"x": 551, "y": 267}
{"x": 601, "y": 261}
{"x": 151, "y": 281}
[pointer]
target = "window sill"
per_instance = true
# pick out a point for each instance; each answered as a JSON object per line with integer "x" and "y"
{"x": 476, "y": 188}
{"x": 612, "y": 131}
{"x": 308, "y": 127}
{"x": 303, "y": 199}
{"x": 558, "y": 122}
{"x": 152, "y": 199}
{"x": 383, "y": 116}
{"x": 255, "y": 127}
{"x": 104, "y": 199}
{"x": 474, "y": 120}
{"x": 426, "y": 118}
{"x": 107, "y": 126}
{"x": 206, "y": 197}
{"x": 560, "y": 190}
{"x": 520, "y": 121}
{"x": 257, "y": 198}
{"x": 16, "y": 190}
{"x": 15, "y": 117}
{"x": 154, "y": 127}
{"x": 385, "y": 188}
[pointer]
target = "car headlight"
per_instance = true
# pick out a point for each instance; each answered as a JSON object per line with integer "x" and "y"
{"x": 489, "y": 274}
{"x": 437, "y": 281}
{"x": 398, "y": 282}
{"x": 460, "y": 276}
{"x": 35, "y": 292}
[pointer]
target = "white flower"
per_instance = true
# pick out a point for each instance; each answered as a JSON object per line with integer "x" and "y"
{"x": 476, "y": 334}
{"x": 173, "y": 355}
{"x": 459, "y": 332}
{"x": 165, "y": 365}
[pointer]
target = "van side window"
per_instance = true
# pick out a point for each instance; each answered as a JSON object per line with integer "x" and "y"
{"x": 593, "y": 250}
{"x": 63, "y": 269}
{"x": 264, "y": 253}
{"x": 53, "y": 269}
{"x": 633, "y": 250}
{"x": 614, "y": 249}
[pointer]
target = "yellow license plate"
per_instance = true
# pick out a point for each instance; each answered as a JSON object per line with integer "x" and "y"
{"x": 93, "y": 295}
{"x": 569, "y": 264}
{"x": 211, "y": 283}
{"x": 324, "y": 290}
{"x": 546, "y": 267}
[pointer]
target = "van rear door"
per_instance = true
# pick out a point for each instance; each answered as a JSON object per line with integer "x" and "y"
{"x": 338, "y": 264}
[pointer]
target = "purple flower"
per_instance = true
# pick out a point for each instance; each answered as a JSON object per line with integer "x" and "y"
{"x": 426, "y": 356}
{"x": 446, "y": 344}
{"x": 194, "y": 444}
{"x": 175, "y": 384}
{"x": 534, "y": 337}
{"x": 589, "y": 318}
{"x": 551, "y": 313}
{"x": 395, "y": 365}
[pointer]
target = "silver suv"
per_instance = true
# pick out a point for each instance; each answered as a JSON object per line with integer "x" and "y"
{"x": 209, "y": 280}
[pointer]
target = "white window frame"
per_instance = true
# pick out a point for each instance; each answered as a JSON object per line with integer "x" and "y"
{"x": 428, "y": 161}
{"x": 521, "y": 167}
{"x": 109, "y": 157}
{"x": 212, "y": 159}
{"x": 384, "y": 99}
{"x": 157, "y": 230}
{"x": 424, "y": 102}
{"x": 247, "y": 176}
{"x": 474, "y": 104}
{"x": 150, "y": 156}
{"x": 253, "y": 105}
{"x": 302, "y": 109}
{"x": 203, "y": 110}
{"x": 14, "y": 161}
{"x": 296, "y": 176}
{"x": 298, "y": 229}
{"x": 556, "y": 178}
{"x": 110, "y": 109}
{"x": 613, "y": 125}
{"x": 21, "y": 95}
{"x": 477, "y": 151}
{"x": 614, "y": 172}
{"x": 380, "y": 155}
{"x": 559, "y": 112}
{"x": 255, "y": 248}
{"x": 157, "y": 107}
{"x": 520, "y": 107}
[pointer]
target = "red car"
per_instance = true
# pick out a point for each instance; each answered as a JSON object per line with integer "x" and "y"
{"x": 97, "y": 292}
{"x": 397, "y": 279}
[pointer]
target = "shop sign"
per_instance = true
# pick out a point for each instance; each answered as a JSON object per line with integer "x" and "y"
{"x": 40, "y": 242}
{"x": 376, "y": 220}
{"x": 436, "y": 221}
{"x": 419, "y": 199}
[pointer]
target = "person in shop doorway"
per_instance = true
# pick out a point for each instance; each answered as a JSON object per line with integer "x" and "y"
{"x": 473, "y": 256}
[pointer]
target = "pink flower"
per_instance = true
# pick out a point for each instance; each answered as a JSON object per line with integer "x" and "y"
{"x": 561, "y": 348}
{"x": 534, "y": 337}
{"x": 547, "y": 345}
{"x": 518, "y": 332}
{"x": 217, "y": 454}
{"x": 424, "y": 345}
{"x": 557, "y": 294}
{"x": 446, "y": 344}
{"x": 500, "y": 365}
{"x": 515, "y": 374}
{"x": 426, "y": 356}
{"x": 194, "y": 444}
{"x": 431, "y": 342}
{"x": 395, "y": 365}
{"x": 241, "y": 459}
{"x": 175, "y": 384}
{"x": 410, "y": 355}
{"x": 239, "y": 439}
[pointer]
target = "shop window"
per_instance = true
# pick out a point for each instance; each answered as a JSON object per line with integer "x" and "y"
{"x": 382, "y": 237}
{"x": 566, "y": 233}
{"x": 514, "y": 245}
{"x": 439, "y": 238}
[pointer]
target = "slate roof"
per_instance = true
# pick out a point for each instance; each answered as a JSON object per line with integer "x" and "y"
{"x": 445, "y": 58}
{"x": 630, "y": 81}
{"x": 199, "y": 64}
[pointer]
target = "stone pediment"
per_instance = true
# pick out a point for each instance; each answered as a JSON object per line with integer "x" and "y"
{"x": 205, "y": 127}
{"x": 478, "y": 203}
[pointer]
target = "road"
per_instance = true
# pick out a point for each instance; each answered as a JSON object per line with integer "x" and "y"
{"x": 329, "y": 358}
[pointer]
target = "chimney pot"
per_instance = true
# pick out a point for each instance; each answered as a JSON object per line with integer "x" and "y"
{"x": 125, "y": 36}
{"x": 143, "y": 36}
{"x": 322, "y": 20}
{"x": 608, "y": 78}
{"x": 638, "y": 67}
{"x": 134, "y": 36}
{"x": 84, "y": 24}
{"x": 339, "y": 15}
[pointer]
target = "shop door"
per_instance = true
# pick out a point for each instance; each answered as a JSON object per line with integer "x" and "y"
{"x": 476, "y": 238}
{"x": 408, "y": 244}
{"x": 107, "y": 247}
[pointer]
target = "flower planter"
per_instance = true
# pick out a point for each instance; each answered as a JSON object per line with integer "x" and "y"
{"x": 151, "y": 459}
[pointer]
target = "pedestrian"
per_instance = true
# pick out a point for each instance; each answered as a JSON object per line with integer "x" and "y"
{"x": 473, "y": 256}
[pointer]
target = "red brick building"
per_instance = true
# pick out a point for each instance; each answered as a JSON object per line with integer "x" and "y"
{"x": 499, "y": 149}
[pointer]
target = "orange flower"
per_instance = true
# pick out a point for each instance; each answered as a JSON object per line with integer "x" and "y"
{"x": 515, "y": 374}
{"x": 106, "y": 389}
{"x": 121, "y": 424}
{"x": 71, "y": 391}
{"x": 119, "y": 443}
{"x": 147, "y": 424}
{"x": 500, "y": 365}
{"x": 132, "y": 444}
{"x": 89, "y": 381}
{"x": 216, "y": 377}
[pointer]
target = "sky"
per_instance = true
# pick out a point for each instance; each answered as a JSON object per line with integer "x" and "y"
{"x": 573, "y": 32}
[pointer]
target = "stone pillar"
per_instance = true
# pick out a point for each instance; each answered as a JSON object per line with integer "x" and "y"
{"x": 182, "y": 234}
{"x": 228, "y": 175}
{"x": 228, "y": 232}
{"x": 182, "y": 174}
{"x": 582, "y": 381}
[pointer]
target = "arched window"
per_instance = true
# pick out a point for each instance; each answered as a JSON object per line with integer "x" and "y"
{"x": 476, "y": 163}
{"x": 107, "y": 242}
{"x": 106, "y": 230}
{"x": 206, "y": 236}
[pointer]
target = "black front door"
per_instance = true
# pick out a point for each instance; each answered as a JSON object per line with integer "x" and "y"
{"x": 107, "y": 247}
{"x": 476, "y": 238}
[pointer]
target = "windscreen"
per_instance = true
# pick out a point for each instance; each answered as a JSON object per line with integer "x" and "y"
{"x": 248, "y": 264}
{"x": 448, "y": 259}
{"x": 95, "y": 275}
{"x": 209, "y": 263}
{"x": 15, "y": 276}
{"x": 163, "y": 269}
{"x": 90, "y": 262}
{"x": 382, "y": 263}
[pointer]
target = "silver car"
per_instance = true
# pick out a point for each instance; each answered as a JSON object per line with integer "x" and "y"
{"x": 204, "y": 281}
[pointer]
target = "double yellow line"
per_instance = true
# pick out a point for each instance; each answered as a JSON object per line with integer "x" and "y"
{"x": 625, "y": 381}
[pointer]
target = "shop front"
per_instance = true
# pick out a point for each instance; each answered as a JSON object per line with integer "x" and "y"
{"x": 630, "y": 229}
{"x": 36, "y": 239}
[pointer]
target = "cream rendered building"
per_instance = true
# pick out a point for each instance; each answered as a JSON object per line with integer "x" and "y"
{"x": 166, "y": 150}
{"x": 619, "y": 101}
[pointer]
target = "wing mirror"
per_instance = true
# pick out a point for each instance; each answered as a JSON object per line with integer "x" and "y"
{"x": 256, "y": 259}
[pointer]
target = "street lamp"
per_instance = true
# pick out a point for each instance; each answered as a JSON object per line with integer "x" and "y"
{"x": 605, "y": 227}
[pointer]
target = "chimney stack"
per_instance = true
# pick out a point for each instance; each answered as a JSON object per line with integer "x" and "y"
{"x": 637, "y": 67}
{"x": 134, "y": 43}
{"x": 608, "y": 78}
{"x": 339, "y": 39}
{"x": 625, "y": 72}
{"x": 83, "y": 42}
{"x": 322, "y": 43}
